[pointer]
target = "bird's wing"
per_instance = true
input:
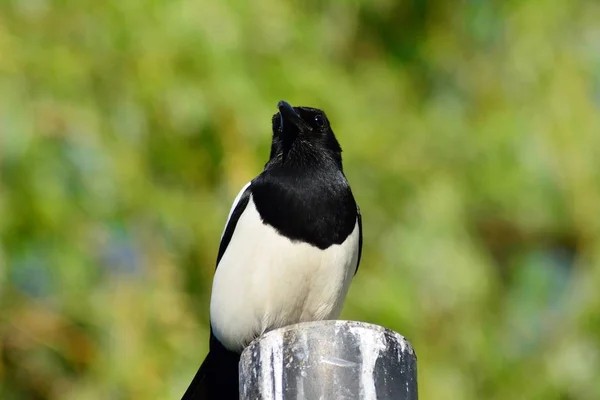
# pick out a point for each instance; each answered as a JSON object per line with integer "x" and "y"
{"x": 238, "y": 207}
{"x": 217, "y": 376}
{"x": 360, "y": 237}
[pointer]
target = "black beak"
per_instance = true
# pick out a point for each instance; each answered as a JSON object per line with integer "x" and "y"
{"x": 289, "y": 117}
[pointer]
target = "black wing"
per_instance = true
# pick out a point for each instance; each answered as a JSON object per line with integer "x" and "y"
{"x": 217, "y": 377}
{"x": 360, "y": 237}
{"x": 232, "y": 222}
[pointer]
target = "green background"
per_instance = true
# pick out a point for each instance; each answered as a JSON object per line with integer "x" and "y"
{"x": 471, "y": 137}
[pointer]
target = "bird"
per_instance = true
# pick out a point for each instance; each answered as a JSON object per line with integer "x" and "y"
{"x": 290, "y": 248}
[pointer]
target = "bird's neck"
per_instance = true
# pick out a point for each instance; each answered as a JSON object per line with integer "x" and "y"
{"x": 304, "y": 156}
{"x": 312, "y": 205}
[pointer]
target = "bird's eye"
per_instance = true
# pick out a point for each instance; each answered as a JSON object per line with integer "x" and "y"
{"x": 320, "y": 121}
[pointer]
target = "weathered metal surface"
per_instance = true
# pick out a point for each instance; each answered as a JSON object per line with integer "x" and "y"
{"x": 329, "y": 360}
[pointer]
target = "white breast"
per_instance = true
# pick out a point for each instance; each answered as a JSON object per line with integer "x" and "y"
{"x": 265, "y": 281}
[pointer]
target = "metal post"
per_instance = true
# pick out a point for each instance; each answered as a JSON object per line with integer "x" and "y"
{"x": 329, "y": 360}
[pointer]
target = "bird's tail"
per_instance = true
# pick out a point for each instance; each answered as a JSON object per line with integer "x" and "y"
{"x": 217, "y": 378}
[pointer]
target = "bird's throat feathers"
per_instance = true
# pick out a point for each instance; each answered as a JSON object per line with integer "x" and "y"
{"x": 304, "y": 157}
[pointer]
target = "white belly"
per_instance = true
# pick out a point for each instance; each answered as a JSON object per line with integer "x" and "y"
{"x": 265, "y": 281}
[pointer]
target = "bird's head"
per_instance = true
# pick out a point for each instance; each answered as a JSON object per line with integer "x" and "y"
{"x": 302, "y": 137}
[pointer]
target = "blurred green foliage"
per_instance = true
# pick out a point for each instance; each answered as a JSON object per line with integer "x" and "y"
{"x": 471, "y": 135}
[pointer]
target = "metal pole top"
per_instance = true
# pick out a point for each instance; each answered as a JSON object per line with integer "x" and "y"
{"x": 329, "y": 360}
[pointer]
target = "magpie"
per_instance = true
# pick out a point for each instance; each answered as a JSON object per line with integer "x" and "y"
{"x": 290, "y": 248}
